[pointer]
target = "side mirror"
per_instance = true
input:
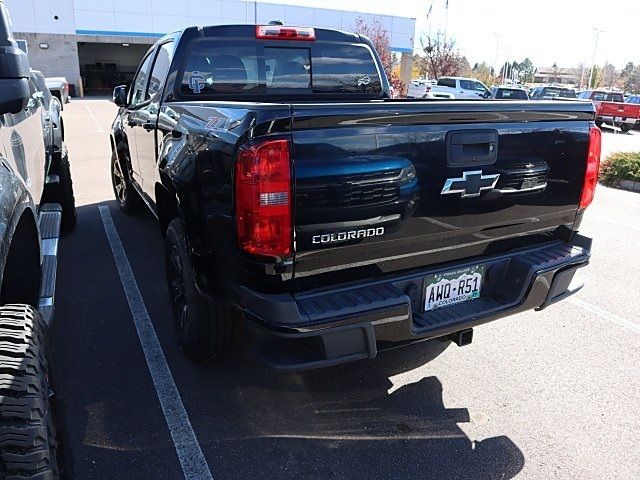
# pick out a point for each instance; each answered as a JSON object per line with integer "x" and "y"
{"x": 120, "y": 96}
{"x": 14, "y": 76}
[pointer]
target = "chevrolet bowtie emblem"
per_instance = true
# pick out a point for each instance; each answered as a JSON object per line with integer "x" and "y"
{"x": 471, "y": 184}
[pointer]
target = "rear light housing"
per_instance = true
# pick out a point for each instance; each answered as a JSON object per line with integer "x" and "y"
{"x": 280, "y": 32}
{"x": 593, "y": 167}
{"x": 263, "y": 198}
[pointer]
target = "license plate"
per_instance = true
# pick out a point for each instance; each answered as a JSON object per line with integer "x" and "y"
{"x": 444, "y": 289}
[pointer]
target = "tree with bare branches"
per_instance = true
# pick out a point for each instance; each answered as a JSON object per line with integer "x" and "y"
{"x": 442, "y": 59}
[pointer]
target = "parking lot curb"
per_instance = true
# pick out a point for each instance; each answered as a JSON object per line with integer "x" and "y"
{"x": 630, "y": 185}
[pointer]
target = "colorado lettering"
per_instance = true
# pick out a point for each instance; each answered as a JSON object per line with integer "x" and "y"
{"x": 337, "y": 237}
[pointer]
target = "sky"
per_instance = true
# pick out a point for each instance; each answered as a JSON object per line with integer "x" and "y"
{"x": 546, "y": 31}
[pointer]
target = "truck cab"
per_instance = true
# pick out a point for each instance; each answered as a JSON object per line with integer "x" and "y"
{"x": 459, "y": 88}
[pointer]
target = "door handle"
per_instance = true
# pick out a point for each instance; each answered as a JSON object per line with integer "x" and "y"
{"x": 148, "y": 126}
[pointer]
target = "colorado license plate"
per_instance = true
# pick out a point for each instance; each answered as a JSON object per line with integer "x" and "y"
{"x": 444, "y": 289}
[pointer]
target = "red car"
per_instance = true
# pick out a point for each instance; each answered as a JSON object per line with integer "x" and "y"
{"x": 611, "y": 108}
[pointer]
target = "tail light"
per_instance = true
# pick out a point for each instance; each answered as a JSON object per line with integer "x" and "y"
{"x": 279, "y": 32}
{"x": 263, "y": 198}
{"x": 593, "y": 167}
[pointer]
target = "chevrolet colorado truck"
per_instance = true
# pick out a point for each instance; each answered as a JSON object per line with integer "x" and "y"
{"x": 35, "y": 194}
{"x": 298, "y": 200}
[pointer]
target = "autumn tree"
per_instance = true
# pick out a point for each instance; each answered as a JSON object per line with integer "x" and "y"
{"x": 379, "y": 36}
{"x": 442, "y": 59}
{"x": 630, "y": 78}
{"x": 484, "y": 73}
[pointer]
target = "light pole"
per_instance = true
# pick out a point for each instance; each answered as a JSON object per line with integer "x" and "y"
{"x": 495, "y": 61}
{"x": 593, "y": 60}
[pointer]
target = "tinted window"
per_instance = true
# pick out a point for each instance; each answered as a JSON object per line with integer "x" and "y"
{"x": 345, "y": 68}
{"x": 138, "y": 90}
{"x": 552, "y": 92}
{"x": 218, "y": 68}
{"x": 447, "y": 82}
{"x": 512, "y": 94}
{"x": 472, "y": 85}
{"x": 160, "y": 69}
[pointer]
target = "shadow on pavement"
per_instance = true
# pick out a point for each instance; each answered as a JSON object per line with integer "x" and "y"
{"x": 355, "y": 421}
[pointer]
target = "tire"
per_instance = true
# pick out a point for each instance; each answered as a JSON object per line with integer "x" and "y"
{"x": 128, "y": 199}
{"x": 599, "y": 123}
{"x": 62, "y": 192}
{"x": 204, "y": 326}
{"x": 28, "y": 445}
{"x": 626, "y": 127}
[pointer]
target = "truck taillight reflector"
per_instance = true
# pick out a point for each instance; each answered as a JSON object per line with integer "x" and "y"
{"x": 279, "y": 32}
{"x": 593, "y": 167}
{"x": 263, "y": 198}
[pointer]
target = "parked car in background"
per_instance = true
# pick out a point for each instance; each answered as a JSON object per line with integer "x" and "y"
{"x": 632, "y": 99}
{"x": 59, "y": 87}
{"x": 509, "y": 93}
{"x": 551, "y": 92}
{"x": 419, "y": 88}
{"x": 459, "y": 88}
{"x": 611, "y": 108}
{"x": 336, "y": 220}
{"x": 53, "y": 122}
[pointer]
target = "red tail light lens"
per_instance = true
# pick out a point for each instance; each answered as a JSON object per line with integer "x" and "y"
{"x": 263, "y": 198}
{"x": 278, "y": 32}
{"x": 593, "y": 167}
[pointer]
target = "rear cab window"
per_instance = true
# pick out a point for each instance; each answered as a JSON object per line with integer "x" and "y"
{"x": 553, "y": 92}
{"x": 219, "y": 68}
{"x": 447, "y": 82}
{"x": 512, "y": 93}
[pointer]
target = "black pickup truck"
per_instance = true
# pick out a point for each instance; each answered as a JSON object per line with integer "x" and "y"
{"x": 292, "y": 190}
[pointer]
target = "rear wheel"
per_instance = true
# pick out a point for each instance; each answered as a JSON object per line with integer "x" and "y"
{"x": 28, "y": 446}
{"x": 204, "y": 326}
{"x": 128, "y": 199}
{"x": 625, "y": 127}
{"x": 599, "y": 123}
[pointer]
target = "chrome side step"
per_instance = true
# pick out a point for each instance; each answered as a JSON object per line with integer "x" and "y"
{"x": 50, "y": 220}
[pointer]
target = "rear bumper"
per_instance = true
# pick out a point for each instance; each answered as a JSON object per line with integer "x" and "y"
{"x": 351, "y": 322}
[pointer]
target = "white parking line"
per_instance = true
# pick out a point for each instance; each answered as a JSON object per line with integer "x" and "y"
{"x": 194, "y": 465}
{"x": 612, "y": 317}
{"x": 95, "y": 121}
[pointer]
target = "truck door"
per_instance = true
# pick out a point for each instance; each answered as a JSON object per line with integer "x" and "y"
{"x": 135, "y": 115}
{"x": 24, "y": 140}
{"x": 146, "y": 141}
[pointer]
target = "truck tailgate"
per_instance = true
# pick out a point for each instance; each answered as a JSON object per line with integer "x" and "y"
{"x": 617, "y": 109}
{"x": 389, "y": 186}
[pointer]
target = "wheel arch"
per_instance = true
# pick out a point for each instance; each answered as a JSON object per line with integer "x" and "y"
{"x": 20, "y": 258}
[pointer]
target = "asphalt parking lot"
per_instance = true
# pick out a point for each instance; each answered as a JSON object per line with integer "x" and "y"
{"x": 552, "y": 394}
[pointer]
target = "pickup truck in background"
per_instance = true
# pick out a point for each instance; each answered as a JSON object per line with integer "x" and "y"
{"x": 458, "y": 88}
{"x": 611, "y": 108}
{"x": 552, "y": 92}
{"x": 296, "y": 196}
{"x": 59, "y": 87}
